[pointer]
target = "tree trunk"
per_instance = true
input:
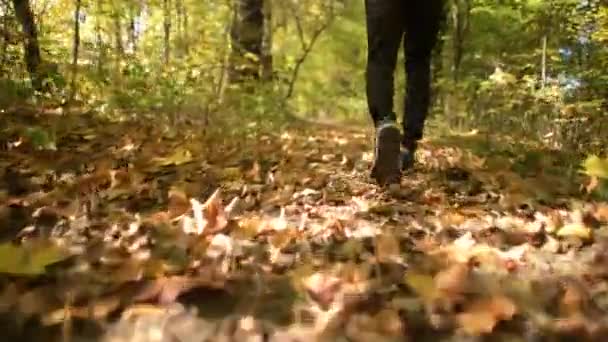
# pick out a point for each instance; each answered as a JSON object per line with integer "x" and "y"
{"x": 24, "y": 15}
{"x": 167, "y": 31}
{"x": 75, "y": 48}
{"x": 132, "y": 33}
{"x": 543, "y": 66}
{"x": 5, "y": 34}
{"x": 99, "y": 43}
{"x": 247, "y": 37}
{"x": 267, "y": 64}
{"x": 118, "y": 36}
{"x": 186, "y": 32}
{"x": 179, "y": 34}
{"x": 461, "y": 10}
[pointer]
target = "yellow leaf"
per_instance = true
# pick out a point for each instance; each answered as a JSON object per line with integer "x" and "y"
{"x": 179, "y": 157}
{"x": 422, "y": 284}
{"x": 575, "y": 229}
{"x": 32, "y": 260}
{"x": 596, "y": 166}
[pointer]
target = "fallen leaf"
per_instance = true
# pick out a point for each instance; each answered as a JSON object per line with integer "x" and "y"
{"x": 214, "y": 213}
{"x": 178, "y": 203}
{"x": 422, "y": 284}
{"x": 387, "y": 248}
{"x": 454, "y": 280}
{"x": 323, "y": 288}
{"x": 482, "y": 315}
{"x": 576, "y": 230}
{"x": 95, "y": 310}
{"x": 596, "y": 166}
{"x": 179, "y": 157}
{"x": 29, "y": 260}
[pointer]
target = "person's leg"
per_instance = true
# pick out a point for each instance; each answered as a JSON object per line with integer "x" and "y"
{"x": 384, "y": 19}
{"x": 384, "y": 34}
{"x": 423, "y": 19}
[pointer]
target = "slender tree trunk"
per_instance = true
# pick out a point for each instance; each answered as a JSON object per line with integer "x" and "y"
{"x": 186, "y": 31}
{"x": 132, "y": 33}
{"x": 247, "y": 36}
{"x": 24, "y": 15}
{"x": 118, "y": 45}
{"x": 267, "y": 63}
{"x": 5, "y": 33}
{"x": 543, "y": 63}
{"x": 167, "y": 31}
{"x": 179, "y": 15}
{"x": 460, "y": 19}
{"x": 75, "y": 48}
{"x": 99, "y": 43}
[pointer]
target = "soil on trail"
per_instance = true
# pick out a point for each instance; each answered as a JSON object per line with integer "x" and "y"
{"x": 131, "y": 232}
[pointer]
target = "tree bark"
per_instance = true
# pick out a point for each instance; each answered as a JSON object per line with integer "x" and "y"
{"x": 75, "y": 48}
{"x": 179, "y": 14}
{"x": 31, "y": 48}
{"x": 5, "y": 34}
{"x": 167, "y": 31}
{"x": 118, "y": 34}
{"x": 101, "y": 49}
{"x": 461, "y": 10}
{"x": 186, "y": 31}
{"x": 543, "y": 66}
{"x": 267, "y": 63}
{"x": 133, "y": 12}
{"x": 247, "y": 37}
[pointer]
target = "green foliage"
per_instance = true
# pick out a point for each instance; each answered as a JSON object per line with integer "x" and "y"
{"x": 40, "y": 138}
{"x": 122, "y": 68}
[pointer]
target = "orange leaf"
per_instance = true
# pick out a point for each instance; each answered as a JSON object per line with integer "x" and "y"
{"x": 483, "y": 315}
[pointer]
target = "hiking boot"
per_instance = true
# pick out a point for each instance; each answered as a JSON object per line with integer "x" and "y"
{"x": 387, "y": 164}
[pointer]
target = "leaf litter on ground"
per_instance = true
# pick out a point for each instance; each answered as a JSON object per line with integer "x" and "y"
{"x": 464, "y": 247}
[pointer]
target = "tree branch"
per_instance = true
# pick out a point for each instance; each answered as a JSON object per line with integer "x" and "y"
{"x": 307, "y": 48}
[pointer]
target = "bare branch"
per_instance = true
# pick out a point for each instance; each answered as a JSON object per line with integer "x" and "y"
{"x": 307, "y": 48}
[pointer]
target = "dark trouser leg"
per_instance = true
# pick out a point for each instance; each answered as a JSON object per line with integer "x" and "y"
{"x": 385, "y": 27}
{"x": 421, "y": 28}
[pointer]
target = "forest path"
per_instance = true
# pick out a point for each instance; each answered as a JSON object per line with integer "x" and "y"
{"x": 119, "y": 229}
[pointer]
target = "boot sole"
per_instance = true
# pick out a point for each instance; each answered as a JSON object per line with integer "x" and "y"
{"x": 387, "y": 168}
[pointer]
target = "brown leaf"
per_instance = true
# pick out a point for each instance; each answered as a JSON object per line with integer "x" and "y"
{"x": 37, "y": 301}
{"x": 387, "y": 248}
{"x": 453, "y": 280}
{"x": 389, "y": 323}
{"x": 601, "y": 212}
{"x": 178, "y": 205}
{"x": 91, "y": 184}
{"x": 166, "y": 290}
{"x": 573, "y": 300}
{"x": 96, "y": 310}
{"x": 482, "y": 315}
{"x": 255, "y": 174}
{"x": 8, "y": 297}
{"x": 214, "y": 214}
